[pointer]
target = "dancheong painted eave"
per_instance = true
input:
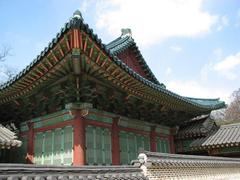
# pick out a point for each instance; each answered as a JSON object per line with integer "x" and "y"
{"x": 134, "y": 84}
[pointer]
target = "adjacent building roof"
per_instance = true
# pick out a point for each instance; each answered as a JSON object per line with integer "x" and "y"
{"x": 226, "y": 135}
{"x": 8, "y": 139}
{"x": 196, "y": 127}
{"x": 23, "y": 171}
{"x": 35, "y": 74}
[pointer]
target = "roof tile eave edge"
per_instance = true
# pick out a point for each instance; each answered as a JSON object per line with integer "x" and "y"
{"x": 78, "y": 23}
{"x": 35, "y": 61}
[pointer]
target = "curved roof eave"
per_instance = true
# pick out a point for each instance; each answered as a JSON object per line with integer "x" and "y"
{"x": 78, "y": 23}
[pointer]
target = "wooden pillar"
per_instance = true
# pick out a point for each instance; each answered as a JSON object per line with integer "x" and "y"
{"x": 115, "y": 142}
{"x": 78, "y": 138}
{"x": 30, "y": 145}
{"x": 153, "y": 139}
{"x": 172, "y": 144}
{"x": 173, "y": 132}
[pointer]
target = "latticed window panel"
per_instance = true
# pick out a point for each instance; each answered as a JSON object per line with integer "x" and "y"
{"x": 130, "y": 144}
{"x": 68, "y": 145}
{"x": 38, "y": 148}
{"x": 47, "y": 153}
{"x": 163, "y": 145}
{"x": 54, "y": 147}
{"x": 57, "y": 146}
{"x": 98, "y": 146}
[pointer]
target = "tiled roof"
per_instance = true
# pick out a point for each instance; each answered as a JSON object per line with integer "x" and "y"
{"x": 224, "y": 136}
{"x": 176, "y": 166}
{"x": 121, "y": 44}
{"x": 199, "y": 105}
{"x": 178, "y": 160}
{"x": 23, "y": 171}
{"x": 196, "y": 127}
{"x": 203, "y": 100}
{"x": 8, "y": 138}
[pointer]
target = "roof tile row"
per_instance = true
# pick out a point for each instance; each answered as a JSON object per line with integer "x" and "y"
{"x": 225, "y": 135}
{"x": 8, "y": 138}
{"x": 22, "y": 171}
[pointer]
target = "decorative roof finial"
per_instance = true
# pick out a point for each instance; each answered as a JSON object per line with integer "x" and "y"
{"x": 126, "y": 32}
{"x": 77, "y": 14}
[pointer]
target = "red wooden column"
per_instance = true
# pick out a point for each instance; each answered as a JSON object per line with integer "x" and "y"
{"x": 172, "y": 144}
{"x": 115, "y": 142}
{"x": 30, "y": 145}
{"x": 78, "y": 138}
{"x": 153, "y": 139}
{"x": 171, "y": 141}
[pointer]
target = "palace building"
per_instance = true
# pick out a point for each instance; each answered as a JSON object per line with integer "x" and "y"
{"x": 83, "y": 102}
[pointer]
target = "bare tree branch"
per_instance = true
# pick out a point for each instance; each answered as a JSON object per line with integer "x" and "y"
{"x": 6, "y": 72}
{"x": 4, "y": 52}
{"x": 233, "y": 110}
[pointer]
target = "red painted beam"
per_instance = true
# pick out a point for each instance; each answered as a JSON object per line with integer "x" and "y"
{"x": 153, "y": 139}
{"x": 78, "y": 139}
{"x": 97, "y": 123}
{"x": 115, "y": 142}
{"x": 137, "y": 131}
{"x": 30, "y": 145}
{"x": 55, "y": 126}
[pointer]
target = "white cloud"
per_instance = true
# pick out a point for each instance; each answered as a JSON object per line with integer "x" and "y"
{"x": 224, "y": 66}
{"x": 228, "y": 65}
{"x": 154, "y": 21}
{"x": 196, "y": 89}
{"x": 223, "y": 23}
{"x": 176, "y": 48}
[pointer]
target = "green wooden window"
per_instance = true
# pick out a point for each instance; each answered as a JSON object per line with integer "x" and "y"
{"x": 47, "y": 153}
{"x": 21, "y": 152}
{"x": 162, "y": 145}
{"x": 130, "y": 144}
{"x": 54, "y": 147}
{"x": 57, "y": 147}
{"x": 68, "y": 145}
{"x": 98, "y": 146}
{"x": 38, "y": 148}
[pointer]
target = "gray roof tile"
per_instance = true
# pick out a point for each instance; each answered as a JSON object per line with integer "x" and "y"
{"x": 179, "y": 160}
{"x": 196, "y": 127}
{"x": 8, "y": 138}
{"x": 226, "y": 134}
{"x": 23, "y": 171}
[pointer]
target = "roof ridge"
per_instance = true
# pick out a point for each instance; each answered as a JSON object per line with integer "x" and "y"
{"x": 230, "y": 125}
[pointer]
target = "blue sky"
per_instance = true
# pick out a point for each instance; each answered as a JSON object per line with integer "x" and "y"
{"x": 192, "y": 46}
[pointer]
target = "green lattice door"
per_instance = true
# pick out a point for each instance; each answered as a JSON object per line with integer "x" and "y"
{"x": 98, "y": 146}
{"x": 68, "y": 145}
{"x": 57, "y": 146}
